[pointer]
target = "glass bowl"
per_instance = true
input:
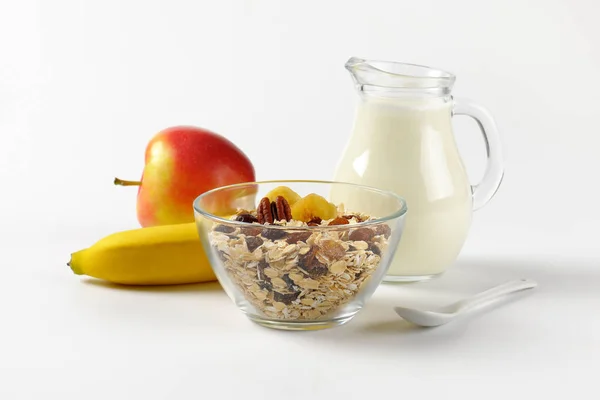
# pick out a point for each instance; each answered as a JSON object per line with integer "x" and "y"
{"x": 295, "y": 276}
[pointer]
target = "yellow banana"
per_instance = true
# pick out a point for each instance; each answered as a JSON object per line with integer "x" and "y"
{"x": 158, "y": 255}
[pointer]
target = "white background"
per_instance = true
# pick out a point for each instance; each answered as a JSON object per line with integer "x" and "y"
{"x": 85, "y": 84}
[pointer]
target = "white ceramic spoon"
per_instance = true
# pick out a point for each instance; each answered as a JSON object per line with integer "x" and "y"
{"x": 445, "y": 314}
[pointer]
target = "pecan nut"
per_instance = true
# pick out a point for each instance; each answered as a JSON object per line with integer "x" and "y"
{"x": 264, "y": 214}
{"x": 268, "y": 212}
{"x": 284, "y": 211}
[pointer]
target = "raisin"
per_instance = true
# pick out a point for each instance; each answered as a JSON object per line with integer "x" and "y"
{"x": 253, "y": 243}
{"x": 254, "y": 231}
{"x": 248, "y": 218}
{"x": 311, "y": 264}
{"x": 339, "y": 221}
{"x": 260, "y": 270}
{"x": 315, "y": 221}
{"x": 364, "y": 234}
{"x": 273, "y": 234}
{"x": 265, "y": 285}
{"x": 384, "y": 230}
{"x": 264, "y": 282}
{"x": 224, "y": 228}
{"x": 290, "y": 283}
{"x": 374, "y": 248}
{"x": 285, "y": 298}
{"x": 296, "y": 237}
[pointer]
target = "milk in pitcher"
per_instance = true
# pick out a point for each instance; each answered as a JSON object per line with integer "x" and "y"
{"x": 408, "y": 147}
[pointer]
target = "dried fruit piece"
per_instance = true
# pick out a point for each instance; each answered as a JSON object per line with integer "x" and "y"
{"x": 260, "y": 270}
{"x": 384, "y": 230}
{"x": 251, "y": 231}
{"x": 332, "y": 249}
{"x": 312, "y": 206}
{"x": 285, "y": 192}
{"x": 224, "y": 228}
{"x": 374, "y": 248}
{"x": 309, "y": 263}
{"x": 253, "y": 243}
{"x": 315, "y": 221}
{"x": 285, "y": 298}
{"x": 339, "y": 221}
{"x": 364, "y": 234}
{"x": 296, "y": 237}
{"x": 290, "y": 283}
{"x": 273, "y": 234}
{"x": 245, "y": 217}
{"x": 264, "y": 212}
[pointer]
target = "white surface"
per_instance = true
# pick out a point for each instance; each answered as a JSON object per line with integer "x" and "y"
{"x": 83, "y": 87}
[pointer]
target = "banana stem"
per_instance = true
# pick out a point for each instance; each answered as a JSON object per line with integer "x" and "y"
{"x": 122, "y": 182}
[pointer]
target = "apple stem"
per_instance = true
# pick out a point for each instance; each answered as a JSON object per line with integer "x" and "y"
{"x": 121, "y": 182}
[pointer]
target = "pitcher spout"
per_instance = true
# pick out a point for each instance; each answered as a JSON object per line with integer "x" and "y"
{"x": 379, "y": 75}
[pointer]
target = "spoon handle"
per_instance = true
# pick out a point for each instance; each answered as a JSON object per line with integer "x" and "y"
{"x": 495, "y": 293}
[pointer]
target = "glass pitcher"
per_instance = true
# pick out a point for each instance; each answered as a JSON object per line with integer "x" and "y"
{"x": 403, "y": 141}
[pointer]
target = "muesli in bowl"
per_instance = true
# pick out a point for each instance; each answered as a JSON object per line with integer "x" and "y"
{"x": 295, "y": 262}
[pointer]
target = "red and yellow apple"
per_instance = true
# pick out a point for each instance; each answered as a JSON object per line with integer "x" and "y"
{"x": 182, "y": 162}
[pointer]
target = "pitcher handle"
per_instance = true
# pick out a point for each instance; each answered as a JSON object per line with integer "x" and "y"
{"x": 494, "y": 171}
